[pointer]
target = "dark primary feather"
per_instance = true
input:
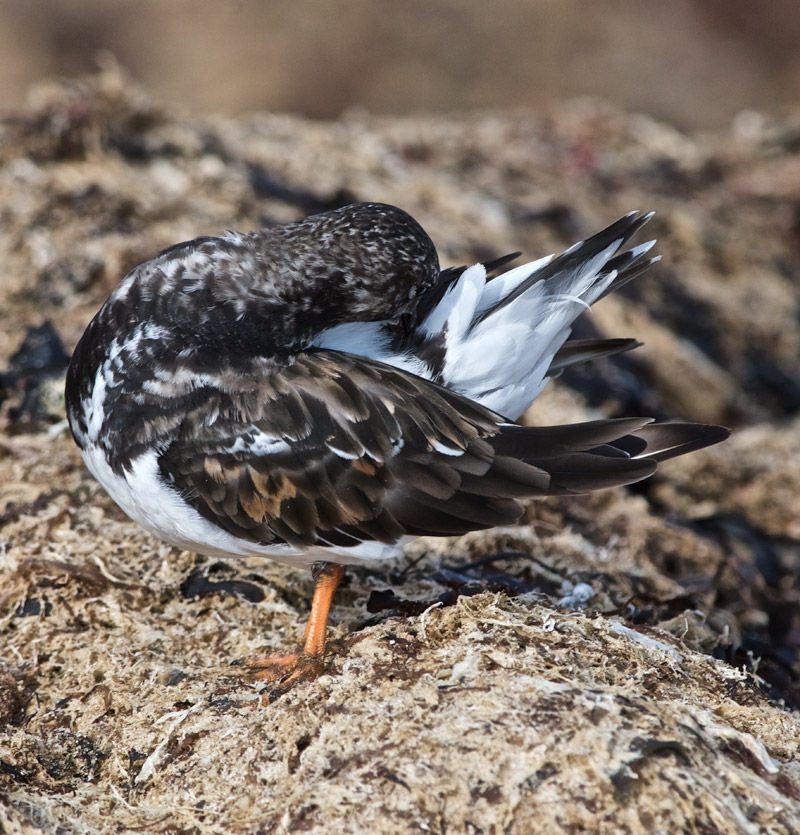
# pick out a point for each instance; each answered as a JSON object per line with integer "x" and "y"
{"x": 575, "y": 351}
{"x": 662, "y": 441}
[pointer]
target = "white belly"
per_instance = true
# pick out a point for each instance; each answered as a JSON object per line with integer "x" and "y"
{"x": 160, "y": 509}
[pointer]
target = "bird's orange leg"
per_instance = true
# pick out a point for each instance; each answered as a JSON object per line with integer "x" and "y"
{"x": 307, "y": 662}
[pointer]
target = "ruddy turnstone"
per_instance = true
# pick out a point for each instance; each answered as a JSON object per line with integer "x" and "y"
{"x": 321, "y": 393}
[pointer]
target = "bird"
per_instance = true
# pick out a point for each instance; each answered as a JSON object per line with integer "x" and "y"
{"x": 321, "y": 393}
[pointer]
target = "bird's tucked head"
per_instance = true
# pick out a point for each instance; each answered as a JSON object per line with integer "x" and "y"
{"x": 363, "y": 262}
{"x": 276, "y": 289}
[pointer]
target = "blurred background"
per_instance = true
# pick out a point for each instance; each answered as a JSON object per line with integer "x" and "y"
{"x": 693, "y": 63}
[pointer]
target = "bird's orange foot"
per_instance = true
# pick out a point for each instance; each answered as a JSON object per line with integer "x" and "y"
{"x": 284, "y": 668}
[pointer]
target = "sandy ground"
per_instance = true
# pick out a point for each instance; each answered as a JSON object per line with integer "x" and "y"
{"x": 621, "y": 663}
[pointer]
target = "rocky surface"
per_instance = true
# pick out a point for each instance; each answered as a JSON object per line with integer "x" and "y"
{"x": 622, "y": 662}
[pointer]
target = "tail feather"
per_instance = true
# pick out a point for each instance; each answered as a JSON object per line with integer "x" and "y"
{"x": 499, "y": 340}
{"x": 663, "y": 441}
{"x": 591, "y": 255}
{"x": 449, "y": 276}
{"x": 629, "y": 272}
{"x": 575, "y": 351}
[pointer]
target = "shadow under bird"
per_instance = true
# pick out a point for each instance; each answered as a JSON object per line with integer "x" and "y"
{"x": 321, "y": 393}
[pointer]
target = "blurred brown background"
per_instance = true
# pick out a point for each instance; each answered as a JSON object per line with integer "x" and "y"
{"x": 695, "y": 63}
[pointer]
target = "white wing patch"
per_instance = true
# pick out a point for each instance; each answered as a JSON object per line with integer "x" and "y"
{"x": 94, "y": 414}
{"x": 259, "y": 444}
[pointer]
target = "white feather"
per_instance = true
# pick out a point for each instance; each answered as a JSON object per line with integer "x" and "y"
{"x": 456, "y": 310}
{"x": 371, "y": 340}
{"x": 501, "y": 360}
{"x": 498, "y": 288}
{"x": 642, "y": 249}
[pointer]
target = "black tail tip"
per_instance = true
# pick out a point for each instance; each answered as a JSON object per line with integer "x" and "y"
{"x": 669, "y": 440}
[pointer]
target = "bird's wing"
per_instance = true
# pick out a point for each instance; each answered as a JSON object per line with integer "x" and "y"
{"x": 336, "y": 449}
